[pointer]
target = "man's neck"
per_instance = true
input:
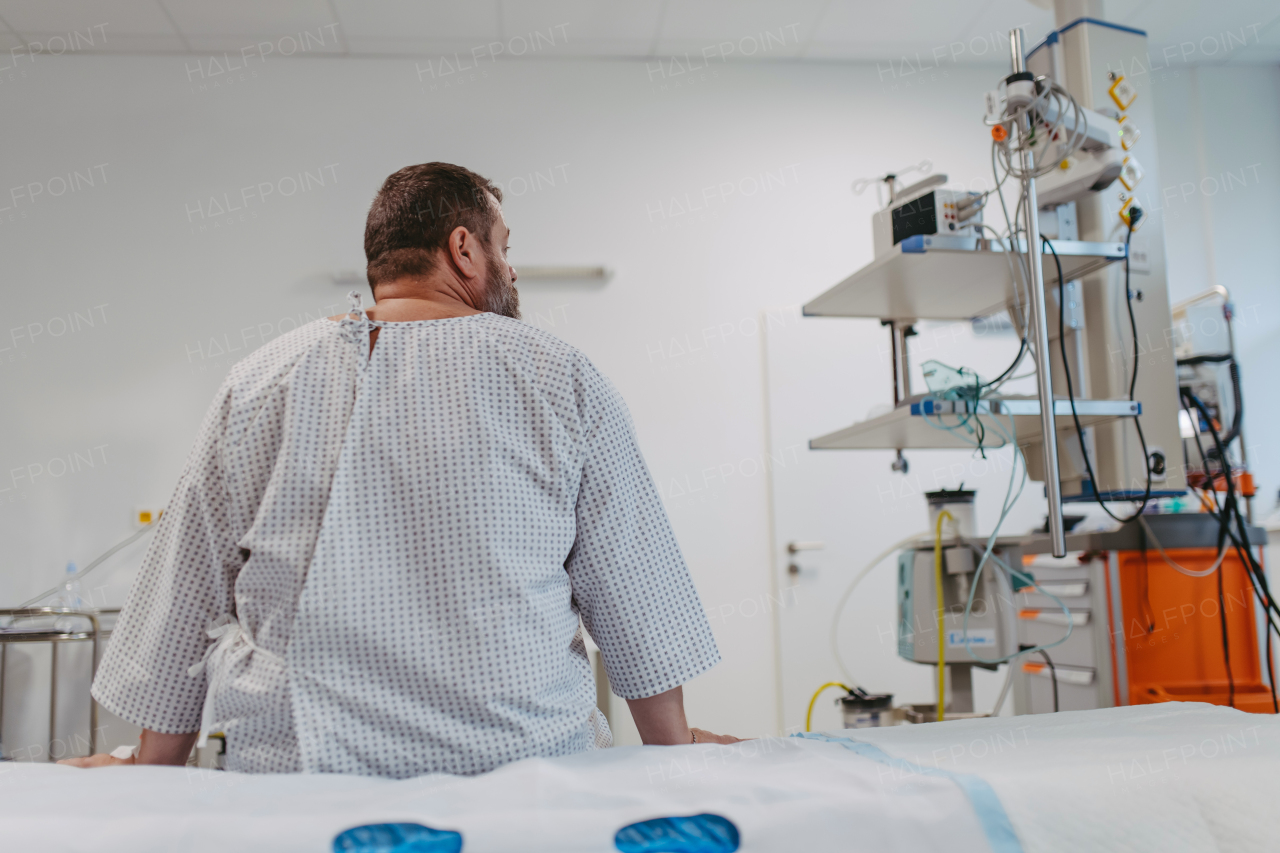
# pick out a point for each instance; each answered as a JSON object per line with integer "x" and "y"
{"x": 432, "y": 298}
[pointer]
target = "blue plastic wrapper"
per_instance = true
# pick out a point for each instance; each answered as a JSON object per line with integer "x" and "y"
{"x": 397, "y": 838}
{"x": 703, "y": 833}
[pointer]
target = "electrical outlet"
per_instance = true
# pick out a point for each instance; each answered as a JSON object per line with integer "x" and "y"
{"x": 144, "y": 515}
{"x": 1139, "y": 260}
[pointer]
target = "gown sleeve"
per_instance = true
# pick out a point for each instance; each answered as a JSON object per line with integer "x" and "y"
{"x": 629, "y": 579}
{"x": 186, "y": 581}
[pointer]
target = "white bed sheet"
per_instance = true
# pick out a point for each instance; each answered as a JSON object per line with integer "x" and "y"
{"x": 783, "y": 794}
{"x": 1131, "y": 779}
{"x": 1175, "y": 776}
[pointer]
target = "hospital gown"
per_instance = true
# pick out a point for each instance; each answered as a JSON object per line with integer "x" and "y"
{"x": 380, "y": 565}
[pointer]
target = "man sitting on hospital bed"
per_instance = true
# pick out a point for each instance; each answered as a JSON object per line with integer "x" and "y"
{"x": 392, "y": 525}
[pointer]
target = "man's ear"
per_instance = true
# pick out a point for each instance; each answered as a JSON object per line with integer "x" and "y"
{"x": 464, "y": 250}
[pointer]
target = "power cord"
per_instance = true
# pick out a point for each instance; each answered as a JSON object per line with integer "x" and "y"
{"x": 1135, "y": 216}
{"x": 1230, "y": 509}
{"x": 1053, "y": 676}
{"x": 1226, "y": 644}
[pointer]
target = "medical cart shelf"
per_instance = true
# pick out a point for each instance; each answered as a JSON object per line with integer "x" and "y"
{"x": 932, "y": 277}
{"x": 924, "y": 423}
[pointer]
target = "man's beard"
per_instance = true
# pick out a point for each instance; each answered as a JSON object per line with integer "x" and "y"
{"x": 500, "y": 296}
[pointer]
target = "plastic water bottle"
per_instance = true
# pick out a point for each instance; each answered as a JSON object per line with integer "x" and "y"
{"x": 69, "y": 598}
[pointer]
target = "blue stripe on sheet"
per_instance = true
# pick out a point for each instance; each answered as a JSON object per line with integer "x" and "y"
{"x": 991, "y": 813}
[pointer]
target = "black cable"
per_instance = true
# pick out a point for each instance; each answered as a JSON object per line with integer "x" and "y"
{"x": 1269, "y": 627}
{"x": 1271, "y": 677}
{"x": 1013, "y": 236}
{"x": 1193, "y": 360}
{"x": 1264, "y": 597}
{"x": 1226, "y": 644}
{"x": 1224, "y": 509}
{"x": 1252, "y": 564}
{"x": 1224, "y": 525}
{"x": 1253, "y": 571}
{"x": 1066, "y": 369}
{"x": 1223, "y": 513}
{"x": 1237, "y": 418}
{"x": 1053, "y": 676}
{"x": 1022, "y": 347}
{"x": 1231, "y": 509}
{"x": 1128, "y": 298}
{"x": 1257, "y": 577}
{"x": 1233, "y": 369}
{"x": 1185, "y": 396}
{"x": 982, "y": 431}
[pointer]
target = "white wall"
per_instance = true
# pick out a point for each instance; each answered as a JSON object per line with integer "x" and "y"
{"x": 621, "y": 152}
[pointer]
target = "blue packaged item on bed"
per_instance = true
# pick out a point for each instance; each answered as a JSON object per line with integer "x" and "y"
{"x": 703, "y": 833}
{"x": 397, "y": 838}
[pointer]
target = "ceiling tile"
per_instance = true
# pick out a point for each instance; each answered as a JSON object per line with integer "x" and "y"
{"x": 775, "y": 43}
{"x": 985, "y": 37}
{"x": 130, "y": 43}
{"x": 608, "y": 23}
{"x": 475, "y": 21}
{"x": 905, "y": 54}
{"x": 724, "y": 30}
{"x": 120, "y": 16}
{"x": 858, "y": 30}
{"x": 714, "y": 21}
{"x": 613, "y": 48}
{"x": 308, "y": 41}
{"x": 885, "y": 30}
{"x": 248, "y": 17}
{"x": 417, "y": 46}
{"x": 126, "y": 43}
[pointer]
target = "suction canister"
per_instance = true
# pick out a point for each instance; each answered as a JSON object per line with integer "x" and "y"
{"x": 958, "y": 502}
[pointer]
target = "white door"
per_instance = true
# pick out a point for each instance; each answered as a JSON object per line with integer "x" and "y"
{"x": 824, "y": 374}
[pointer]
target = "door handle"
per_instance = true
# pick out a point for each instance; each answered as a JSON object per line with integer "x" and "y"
{"x": 796, "y": 547}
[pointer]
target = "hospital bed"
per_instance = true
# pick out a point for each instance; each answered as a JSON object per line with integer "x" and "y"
{"x": 1173, "y": 776}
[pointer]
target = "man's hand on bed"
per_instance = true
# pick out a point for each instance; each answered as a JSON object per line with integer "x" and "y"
{"x": 661, "y": 722}
{"x": 102, "y": 759}
{"x": 155, "y": 748}
{"x": 705, "y": 736}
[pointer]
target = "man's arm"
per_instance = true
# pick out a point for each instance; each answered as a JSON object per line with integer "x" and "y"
{"x": 630, "y": 583}
{"x": 661, "y": 721}
{"x": 185, "y": 583}
{"x": 156, "y": 748}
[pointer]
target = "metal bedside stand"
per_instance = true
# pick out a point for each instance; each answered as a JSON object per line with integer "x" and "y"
{"x": 53, "y": 635}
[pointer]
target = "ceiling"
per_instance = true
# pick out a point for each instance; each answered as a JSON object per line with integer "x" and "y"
{"x": 853, "y": 30}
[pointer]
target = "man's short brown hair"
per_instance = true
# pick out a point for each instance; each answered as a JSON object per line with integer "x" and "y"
{"x": 417, "y": 209}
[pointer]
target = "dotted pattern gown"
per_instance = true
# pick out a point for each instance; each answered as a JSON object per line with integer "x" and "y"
{"x": 380, "y": 565}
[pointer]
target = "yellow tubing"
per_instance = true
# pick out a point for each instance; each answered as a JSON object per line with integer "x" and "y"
{"x": 942, "y": 638}
{"x": 808, "y": 717}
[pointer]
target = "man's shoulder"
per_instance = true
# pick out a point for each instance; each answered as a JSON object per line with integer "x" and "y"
{"x": 525, "y": 332}
{"x": 281, "y": 353}
{"x": 535, "y": 341}
{"x": 561, "y": 361}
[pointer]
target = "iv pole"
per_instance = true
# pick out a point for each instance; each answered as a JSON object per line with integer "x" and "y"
{"x": 1039, "y": 323}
